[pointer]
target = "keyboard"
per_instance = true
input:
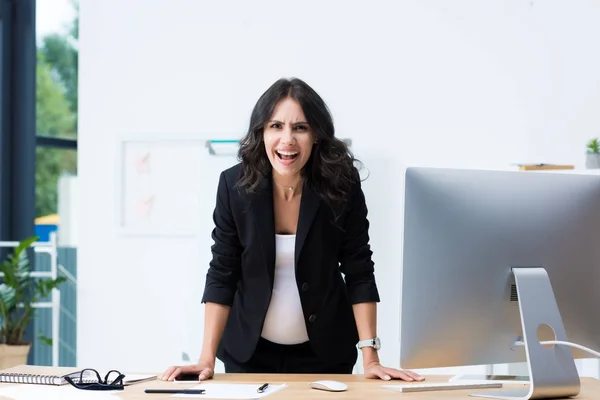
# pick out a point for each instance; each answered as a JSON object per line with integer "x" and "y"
{"x": 432, "y": 386}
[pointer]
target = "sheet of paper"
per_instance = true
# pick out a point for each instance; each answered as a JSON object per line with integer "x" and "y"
{"x": 37, "y": 392}
{"x": 131, "y": 379}
{"x": 236, "y": 391}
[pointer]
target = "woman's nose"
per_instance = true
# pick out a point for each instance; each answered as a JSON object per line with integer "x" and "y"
{"x": 287, "y": 136}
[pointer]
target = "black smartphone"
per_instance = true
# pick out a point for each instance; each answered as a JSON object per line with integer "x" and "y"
{"x": 187, "y": 377}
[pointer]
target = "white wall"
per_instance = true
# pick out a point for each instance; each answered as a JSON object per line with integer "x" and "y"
{"x": 461, "y": 83}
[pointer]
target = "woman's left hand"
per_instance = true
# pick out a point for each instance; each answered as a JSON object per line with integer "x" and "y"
{"x": 374, "y": 370}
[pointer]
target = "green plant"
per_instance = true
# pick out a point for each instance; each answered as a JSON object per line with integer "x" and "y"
{"x": 593, "y": 146}
{"x": 18, "y": 293}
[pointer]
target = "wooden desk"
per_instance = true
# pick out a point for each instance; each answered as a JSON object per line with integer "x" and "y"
{"x": 358, "y": 388}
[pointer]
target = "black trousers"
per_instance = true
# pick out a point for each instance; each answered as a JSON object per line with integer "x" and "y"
{"x": 273, "y": 358}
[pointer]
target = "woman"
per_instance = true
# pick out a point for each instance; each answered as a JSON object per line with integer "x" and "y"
{"x": 290, "y": 219}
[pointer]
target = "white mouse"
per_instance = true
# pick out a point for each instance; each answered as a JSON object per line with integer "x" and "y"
{"x": 330, "y": 386}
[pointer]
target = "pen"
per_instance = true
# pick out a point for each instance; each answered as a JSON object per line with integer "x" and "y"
{"x": 262, "y": 388}
{"x": 176, "y": 391}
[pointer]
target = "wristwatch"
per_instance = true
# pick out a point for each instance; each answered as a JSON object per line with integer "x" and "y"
{"x": 374, "y": 343}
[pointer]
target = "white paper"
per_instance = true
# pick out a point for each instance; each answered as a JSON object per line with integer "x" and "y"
{"x": 131, "y": 379}
{"x": 236, "y": 391}
{"x": 37, "y": 392}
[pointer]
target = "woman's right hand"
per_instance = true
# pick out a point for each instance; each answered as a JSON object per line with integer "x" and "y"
{"x": 204, "y": 370}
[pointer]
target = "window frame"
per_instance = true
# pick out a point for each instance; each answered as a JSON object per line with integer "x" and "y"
{"x": 54, "y": 142}
{"x": 18, "y": 62}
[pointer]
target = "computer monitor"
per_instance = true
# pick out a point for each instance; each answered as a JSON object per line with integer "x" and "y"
{"x": 487, "y": 253}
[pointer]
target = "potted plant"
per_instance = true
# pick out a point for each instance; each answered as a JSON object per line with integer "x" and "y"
{"x": 592, "y": 158}
{"x": 18, "y": 293}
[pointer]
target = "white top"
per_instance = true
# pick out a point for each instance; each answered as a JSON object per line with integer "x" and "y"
{"x": 284, "y": 323}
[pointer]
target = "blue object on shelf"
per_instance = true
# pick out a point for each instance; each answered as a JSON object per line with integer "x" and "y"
{"x": 45, "y": 225}
{"x": 44, "y": 231}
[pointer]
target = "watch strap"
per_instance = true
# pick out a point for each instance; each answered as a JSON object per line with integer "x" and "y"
{"x": 374, "y": 342}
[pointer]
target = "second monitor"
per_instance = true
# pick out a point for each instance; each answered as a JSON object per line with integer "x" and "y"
{"x": 494, "y": 262}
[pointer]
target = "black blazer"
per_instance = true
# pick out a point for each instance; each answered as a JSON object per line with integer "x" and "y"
{"x": 243, "y": 264}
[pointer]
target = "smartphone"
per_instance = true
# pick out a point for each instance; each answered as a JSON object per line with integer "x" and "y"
{"x": 187, "y": 378}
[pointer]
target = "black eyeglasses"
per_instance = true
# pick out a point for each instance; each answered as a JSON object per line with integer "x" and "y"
{"x": 89, "y": 379}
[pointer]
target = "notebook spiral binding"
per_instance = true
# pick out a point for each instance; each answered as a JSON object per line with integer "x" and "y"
{"x": 37, "y": 379}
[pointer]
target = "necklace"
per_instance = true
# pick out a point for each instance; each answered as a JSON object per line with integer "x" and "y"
{"x": 288, "y": 188}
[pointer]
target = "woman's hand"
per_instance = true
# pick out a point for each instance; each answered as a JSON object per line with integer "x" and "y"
{"x": 204, "y": 370}
{"x": 374, "y": 370}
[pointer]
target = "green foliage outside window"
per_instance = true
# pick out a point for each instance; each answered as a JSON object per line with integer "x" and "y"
{"x": 56, "y": 112}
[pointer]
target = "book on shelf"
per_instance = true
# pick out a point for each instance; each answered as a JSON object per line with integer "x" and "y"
{"x": 543, "y": 167}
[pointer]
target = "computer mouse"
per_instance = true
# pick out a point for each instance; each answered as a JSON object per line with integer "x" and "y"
{"x": 330, "y": 386}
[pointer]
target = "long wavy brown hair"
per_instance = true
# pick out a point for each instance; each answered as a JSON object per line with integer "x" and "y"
{"x": 331, "y": 169}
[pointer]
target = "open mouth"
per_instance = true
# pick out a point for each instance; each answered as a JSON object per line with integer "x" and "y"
{"x": 286, "y": 155}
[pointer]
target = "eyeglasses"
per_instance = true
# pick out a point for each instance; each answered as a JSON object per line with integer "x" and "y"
{"x": 89, "y": 379}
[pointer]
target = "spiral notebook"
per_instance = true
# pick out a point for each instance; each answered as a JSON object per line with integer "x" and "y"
{"x": 36, "y": 375}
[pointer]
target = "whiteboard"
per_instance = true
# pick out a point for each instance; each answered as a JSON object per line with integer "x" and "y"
{"x": 164, "y": 183}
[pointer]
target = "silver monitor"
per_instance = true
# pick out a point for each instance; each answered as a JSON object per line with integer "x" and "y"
{"x": 495, "y": 262}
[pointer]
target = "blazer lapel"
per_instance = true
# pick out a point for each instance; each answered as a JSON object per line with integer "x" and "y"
{"x": 262, "y": 210}
{"x": 309, "y": 205}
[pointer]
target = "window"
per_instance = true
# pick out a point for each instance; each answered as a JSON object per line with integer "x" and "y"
{"x": 57, "y": 32}
{"x": 57, "y": 26}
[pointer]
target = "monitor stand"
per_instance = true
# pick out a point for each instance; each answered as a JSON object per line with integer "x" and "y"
{"x": 552, "y": 370}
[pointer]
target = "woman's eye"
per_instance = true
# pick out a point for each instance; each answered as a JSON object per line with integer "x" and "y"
{"x": 301, "y": 128}
{"x": 276, "y": 126}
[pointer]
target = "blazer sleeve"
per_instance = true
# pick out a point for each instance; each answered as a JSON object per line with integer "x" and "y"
{"x": 225, "y": 267}
{"x": 355, "y": 261}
